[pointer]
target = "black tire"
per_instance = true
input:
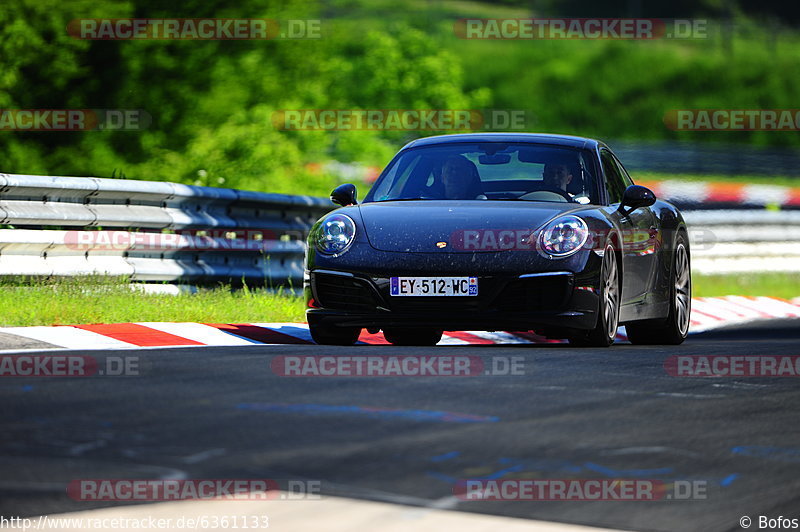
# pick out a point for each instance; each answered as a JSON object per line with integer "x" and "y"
{"x": 326, "y": 335}
{"x": 605, "y": 331}
{"x": 673, "y": 329}
{"x": 412, "y": 336}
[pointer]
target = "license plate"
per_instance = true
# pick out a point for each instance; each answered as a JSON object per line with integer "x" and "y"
{"x": 434, "y": 286}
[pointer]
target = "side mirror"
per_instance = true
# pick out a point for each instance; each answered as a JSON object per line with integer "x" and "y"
{"x": 636, "y": 196}
{"x": 344, "y": 195}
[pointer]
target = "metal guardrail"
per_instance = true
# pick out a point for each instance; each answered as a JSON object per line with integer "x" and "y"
{"x": 739, "y": 241}
{"x": 158, "y": 231}
{"x": 73, "y": 225}
{"x": 691, "y": 157}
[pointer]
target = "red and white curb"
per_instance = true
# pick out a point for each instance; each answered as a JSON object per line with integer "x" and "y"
{"x": 728, "y": 193}
{"x": 707, "y": 313}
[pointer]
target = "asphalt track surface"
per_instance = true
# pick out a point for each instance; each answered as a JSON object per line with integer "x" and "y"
{"x": 575, "y": 413}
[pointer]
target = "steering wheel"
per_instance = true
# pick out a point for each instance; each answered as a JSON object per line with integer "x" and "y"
{"x": 548, "y": 192}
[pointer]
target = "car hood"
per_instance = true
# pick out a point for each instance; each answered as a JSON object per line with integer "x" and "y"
{"x": 463, "y": 226}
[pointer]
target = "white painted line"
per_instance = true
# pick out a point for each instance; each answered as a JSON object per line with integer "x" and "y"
{"x": 697, "y": 327}
{"x": 69, "y": 337}
{"x": 202, "y": 456}
{"x": 450, "y": 340}
{"x": 744, "y": 265}
{"x": 723, "y": 305}
{"x": 700, "y": 322}
{"x": 332, "y": 514}
{"x": 715, "y": 310}
{"x": 738, "y": 249}
{"x": 765, "y": 194}
{"x": 79, "y": 449}
{"x": 198, "y": 332}
{"x": 765, "y": 310}
{"x": 500, "y": 337}
{"x": 778, "y": 305}
{"x": 684, "y": 190}
{"x": 298, "y": 330}
{"x": 707, "y": 313}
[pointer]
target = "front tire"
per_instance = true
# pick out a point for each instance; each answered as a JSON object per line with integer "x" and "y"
{"x": 421, "y": 337}
{"x": 327, "y": 335}
{"x": 673, "y": 330}
{"x": 605, "y": 331}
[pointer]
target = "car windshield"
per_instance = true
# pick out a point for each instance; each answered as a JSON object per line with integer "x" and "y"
{"x": 489, "y": 171}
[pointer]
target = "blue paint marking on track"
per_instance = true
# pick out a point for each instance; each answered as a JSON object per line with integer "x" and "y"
{"x": 779, "y": 454}
{"x": 299, "y": 332}
{"x": 441, "y": 476}
{"x": 727, "y": 481}
{"x": 254, "y": 342}
{"x": 380, "y": 413}
{"x": 445, "y": 456}
{"x": 544, "y": 467}
{"x": 501, "y": 473}
{"x": 627, "y": 472}
{"x": 544, "y": 464}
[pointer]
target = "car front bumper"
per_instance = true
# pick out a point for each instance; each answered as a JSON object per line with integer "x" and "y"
{"x": 542, "y": 301}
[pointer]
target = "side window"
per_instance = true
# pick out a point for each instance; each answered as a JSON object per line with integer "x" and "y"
{"x": 624, "y": 173}
{"x": 614, "y": 180}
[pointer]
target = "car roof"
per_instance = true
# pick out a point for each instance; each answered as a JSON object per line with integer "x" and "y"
{"x": 532, "y": 138}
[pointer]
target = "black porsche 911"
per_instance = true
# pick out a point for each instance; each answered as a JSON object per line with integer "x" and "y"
{"x": 500, "y": 232}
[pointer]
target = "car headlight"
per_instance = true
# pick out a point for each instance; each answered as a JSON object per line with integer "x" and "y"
{"x": 564, "y": 236}
{"x": 335, "y": 234}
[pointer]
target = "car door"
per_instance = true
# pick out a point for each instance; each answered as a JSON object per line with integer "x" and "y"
{"x": 639, "y": 232}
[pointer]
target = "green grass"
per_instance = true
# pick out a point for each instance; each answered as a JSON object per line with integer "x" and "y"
{"x": 783, "y": 285}
{"x": 102, "y": 300}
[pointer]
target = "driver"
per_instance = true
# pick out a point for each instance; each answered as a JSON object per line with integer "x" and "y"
{"x": 557, "y": 175}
